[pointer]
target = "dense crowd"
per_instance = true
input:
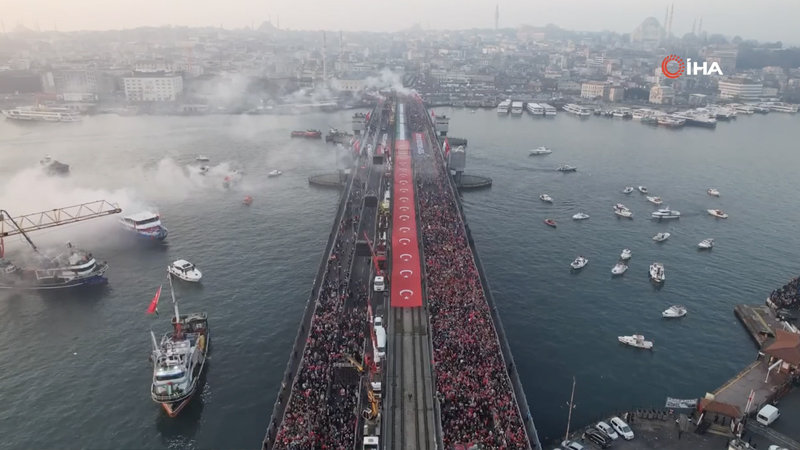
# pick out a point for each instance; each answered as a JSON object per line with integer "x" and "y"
{"x": 478, "y": 406}
{"x": 321, "y": 414}
{"x": 787, "y": 296}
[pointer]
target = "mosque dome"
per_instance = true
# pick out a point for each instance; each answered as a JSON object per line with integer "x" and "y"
{"x": 649, "y": 31}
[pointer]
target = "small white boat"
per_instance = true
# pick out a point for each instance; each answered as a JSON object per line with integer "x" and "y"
{"x": 627, "y": 190}
{"x": 674, "y": 311}
{"x": 637, "y": 340}
{"x": 657, "y": 273}
{"x": 472, "y": 111}
{"x": 185, "y": 271}
{"x": 274, "y": 173}
{"x": 202, "y": 158}
{"x": 642, "y": 189}
{"x": 718, "y": 213}
{"x": 655, "y": 200}
{"x": 580, "y": 216}
{"x": 713, "y": 192}
{"x": 204, "y": 170}
{"x": 545, "y": 198}
{"x": 620, "y": 206}
{"x": 666, "y": 213}
{"x": 619, "y": 269}
{"x": 706, "y": 244}
{"x": 579, "y": 263}
{"x": 540, "y": 151}
{"x": 626, "y": 254}
{"x": 661, "y": 237}
{"x": 626, "y": 213}
{"x": 567, "y": 168}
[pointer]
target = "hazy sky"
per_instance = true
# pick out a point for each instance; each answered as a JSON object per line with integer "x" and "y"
{"x": 763, "y": 20}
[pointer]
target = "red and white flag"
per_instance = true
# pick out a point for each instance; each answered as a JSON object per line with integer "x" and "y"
{"x": 154, "y": 303}
{"x": 357, "y": 147}
{"x": 446, "y": 148}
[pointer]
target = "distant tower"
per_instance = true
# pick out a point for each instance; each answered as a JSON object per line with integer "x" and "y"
{"x": 671, "y": 14}
{"x": 694, "y": 27}
{"x": 700, "y": 27}
{"x": 666, "y": 19}
{"x": 278, "y": 22}
{"x": 341, "y": 51}
{"x": 324, "y": 60}
{"x": 497, "y": 17}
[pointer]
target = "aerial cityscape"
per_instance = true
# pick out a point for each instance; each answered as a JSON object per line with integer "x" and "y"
{"x": 542, "y": 238}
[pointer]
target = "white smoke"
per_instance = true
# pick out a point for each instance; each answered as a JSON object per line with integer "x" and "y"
{"x": 388, "y": 80}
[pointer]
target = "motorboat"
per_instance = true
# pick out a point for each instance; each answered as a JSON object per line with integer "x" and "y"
{"x": 674, "y": 311}
{"x": 580, "y": 216}
{"x": 184, "y": 270}
{"x": 657, "y": 272}
{"x": 661, "y": 237}
{"x": 642, "y": 189}
{"x": 637, "y": 340}
{"x": 275, "y": 173}
{"x": 179, "y": 359}
{"x": 472, "y": 111}
{"x": 309, "y": 134}
{"x": 706, "y": 244}
{"x": 627, "y": 190}
{"x": 540, "y": 151}
{"x": 713, "y": 192}
{"x": 146, "y": 224}
{"x": 718, "y": 213}
{"x": 666, "y": 213}
{"x": 619, "y": 269}
{"x": 202, "y": 158}
{"x": 567, "y": 168}
{"x": 53, "y": 167}
{"x": 545, "y": 198}
{"x": 626, "y": 254}
{"x": 579, "y": 263}
{"x": 626, "y": 213}
{"x": 248, "y": 200}
{"x": 204, "y": 170}
{"x": 655, "y": 200}
{"x": 621, "y": 207}
{"x": 550, "y": 222}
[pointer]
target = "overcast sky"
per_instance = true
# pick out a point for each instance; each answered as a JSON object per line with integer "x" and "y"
{"x": 763, "y": 20}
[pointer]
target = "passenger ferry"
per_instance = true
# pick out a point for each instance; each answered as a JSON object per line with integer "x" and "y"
{"x": 782, "y": 107}
{"x": 548, "y": 110}
{"x": 640, "y": 114}
{"x": 744, "y": 109}
{"x": 577, "y": 110}
{"x": 516, "y": 108}
{"x": 503, "y": 107}
{"x": 146, "y": 223}
{"x": 535, "y": 109}
{"x": 41, "y": 114}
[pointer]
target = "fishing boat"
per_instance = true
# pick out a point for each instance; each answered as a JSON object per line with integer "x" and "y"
{"x": 674, "y": 311}
{"x": 146, "y": 224}
{"x": 713, "y": 192}
{"x": 718, "y": 213}
{"x": 248, "y": 200}
{"x": 657, "y": 273}
{"x": 274, "y": 173}
{"x": 567, "y": 168}
{"x": 545, "y": 198}
{"x": 308, "y": 134}
{"x": 72, "y": 268}
{"x": 637, "y": 340}
{"x": 619, "y": 268}
{"x": 180, "y": 358}
{"x": 626, "y": 254}
{"x": 550, "y": 223}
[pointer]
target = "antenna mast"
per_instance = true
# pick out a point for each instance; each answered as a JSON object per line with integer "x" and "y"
{"x": 569, "y": 419}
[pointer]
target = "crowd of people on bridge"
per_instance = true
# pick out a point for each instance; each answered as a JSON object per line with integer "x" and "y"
{"x": 787, "y": 296}
{"x": 478, "y": 405}
{"x": 320, "y": 413}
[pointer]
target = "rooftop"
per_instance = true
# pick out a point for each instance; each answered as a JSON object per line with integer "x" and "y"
{"x": 737, "y": 390}
{"x": 786, "y": 347}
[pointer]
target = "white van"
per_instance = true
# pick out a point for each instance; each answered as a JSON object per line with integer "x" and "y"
{"x": 379, "y": 284}
{"x": 767, "y": 415}
{"x": 380, "y": 342}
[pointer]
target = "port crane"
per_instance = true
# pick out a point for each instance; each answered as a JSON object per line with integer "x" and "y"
{"x": 12, "y": 226}
{"x": 375, "y": 258}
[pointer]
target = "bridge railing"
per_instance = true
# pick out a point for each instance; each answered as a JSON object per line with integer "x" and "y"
{"x": 506, "y": 356}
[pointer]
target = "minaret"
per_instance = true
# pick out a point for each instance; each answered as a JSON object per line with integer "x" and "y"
{"x": 694, "y": 27}
{"x": 497, "y": 17}
{"x": 666, "y": 19}
{"x": 278, "y": 22}
{"x": 671, "y": 14}
{"x": 700, "y": 27}
{"x": 324, "y": 60}
{"x": 341, "y": 51}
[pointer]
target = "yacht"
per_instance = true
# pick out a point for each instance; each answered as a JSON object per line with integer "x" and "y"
{"x": 661, "y": 237}
{"x": 184, "y": 270}
{"x": 666, "y": 213}
{"x": 577, "y": 110}
{"x": 706, "y": 244}
{"x": 674, "y": 311}
{"x": 619, "y": 268}
{"x": 545, "y": 198}
{"x": 202, "y": 158}
{"x": 626, "y": 213}
{"x": 655, "y": 200}
{"x": 626, "y": 254}
{"x": 640, "y": 114}
{"x": 713, "y": 192}
{"x": 718, "y": 213}
{"x": 579, "y": 263}
{"x": 146, "y": 224}
{"x": 274, "y": 173}
{"x": 535, "y": 109}
{"x": 541, "y": 151}
{"x": 627, "y": 190}
{"x": 42, "y": 114}
{"x": 567, "y": 168}
{"x": 637, "y": 340}
{"x": 179, "y": 359}
{"x": 642, "y": 189}
{"x": 657, "y": 273}
{"x": 516, "y": 107}
{"x": 621, "y": 207}
{"x": 504, "y": 106}
{"x": 580, "y": 216}
{"x": 549, "y": 110}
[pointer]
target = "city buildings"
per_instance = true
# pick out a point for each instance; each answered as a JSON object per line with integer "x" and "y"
{"x": 593, "y": 89}
{"x": 740, "y": 89}
{"x": 662, "y": 95}
{"x": 153, "y": 87}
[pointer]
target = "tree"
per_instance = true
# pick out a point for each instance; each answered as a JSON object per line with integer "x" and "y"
{"x": 737, "y": 40}
{"x": 717, "y": 39}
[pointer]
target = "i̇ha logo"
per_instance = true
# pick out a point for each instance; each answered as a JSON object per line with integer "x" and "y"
{"x": 689, "y": 68}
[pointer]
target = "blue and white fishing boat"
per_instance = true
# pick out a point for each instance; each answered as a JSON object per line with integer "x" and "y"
{"x": 69, "y": 269}
{"x": 145, "y": 223}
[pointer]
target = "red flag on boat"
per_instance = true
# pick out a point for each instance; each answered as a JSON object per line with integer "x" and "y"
{"x": 357, "y": 147}
{"x": 446, "y": 147}
{"x": 154, "y": 303}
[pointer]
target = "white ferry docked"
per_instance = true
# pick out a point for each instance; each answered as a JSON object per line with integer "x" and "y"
{"x": 146, "y": 223}
{"x": 516, "y": 108}
{"x": 504, "y": 106}
{"x": 40, "y": 114}
{"x": 548, "y": 110}
{"x": 535, "y": 109}
{"x": 577, "y": 110}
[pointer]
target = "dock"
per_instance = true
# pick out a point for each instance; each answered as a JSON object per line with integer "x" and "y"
{"x": 760, "y": 322}
{"x": 472, "y": 182}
